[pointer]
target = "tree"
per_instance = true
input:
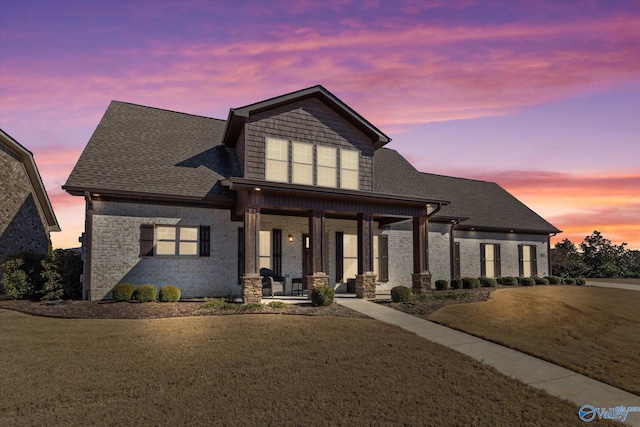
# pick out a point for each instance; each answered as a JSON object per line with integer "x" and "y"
{"x": 566, "y": 261}
{"x": 604, "y": 259}
{"x": 52, "y": 288}
{"x": 69, "y": 264}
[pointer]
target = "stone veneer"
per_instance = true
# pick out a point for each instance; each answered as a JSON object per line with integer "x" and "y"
{"x": 366, "y": 285}
{"x": 252, "y": 288}
{"x": 316, "y": 279}
{"x": 421, "y": 283}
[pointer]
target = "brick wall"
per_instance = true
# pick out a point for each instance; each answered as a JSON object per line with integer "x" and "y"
{"x": 22, "y": 222}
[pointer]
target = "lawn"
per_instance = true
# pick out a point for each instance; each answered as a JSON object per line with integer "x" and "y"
{"x": 623, "y": 281}
{"x": 590, "y": 330}
{"x": 250, "y": 370}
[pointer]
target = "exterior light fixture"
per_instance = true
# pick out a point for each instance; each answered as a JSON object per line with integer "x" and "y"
{"x": 290, "y": 238}
{"x": 258, "y": 189}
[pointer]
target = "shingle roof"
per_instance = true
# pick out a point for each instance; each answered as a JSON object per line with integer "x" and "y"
{"x": 137, "y": 149}
{"x": 485, "y": 204}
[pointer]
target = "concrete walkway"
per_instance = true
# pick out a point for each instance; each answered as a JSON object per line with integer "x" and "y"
{"x": 614, "y": 285}
{"x": 535, "y": 372}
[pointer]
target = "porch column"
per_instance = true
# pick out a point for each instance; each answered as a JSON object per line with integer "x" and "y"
{"x": 316, "y": 249}
{"x": 251, "y": 281}
{"x": 421, "y": 278}
{"x": 365, "y": 279}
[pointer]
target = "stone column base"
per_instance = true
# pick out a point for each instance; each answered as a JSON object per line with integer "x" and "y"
{"x": 316, "y": 279}
{"x": 421, "y": 283}
{"x": 366, "y": 285}
{"x": 251, "y": 288}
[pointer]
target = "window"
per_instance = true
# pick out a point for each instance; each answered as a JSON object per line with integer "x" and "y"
{"x": 489, "y": 260}
{"x": 350, "y": 255}
{"x": 302, "y": 163}
{"x": 265, "y": 249}
{"x": 347, "y": 256}
{"x": 171, "y": 240}
{"x": 349, "y": 178}
{"x": 277, "y": 161}
{"x": 528, "y": 260}
{"x": 305, "y": 167}
{"x": 327, "y": 174}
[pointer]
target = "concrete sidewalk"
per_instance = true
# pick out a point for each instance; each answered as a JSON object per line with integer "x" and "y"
{"x": 535, "y": 372}
{"x": 614, "y": 285}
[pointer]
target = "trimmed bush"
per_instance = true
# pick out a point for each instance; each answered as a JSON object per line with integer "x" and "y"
{"x": 554, "y": 280}
{"x": 488, "y": 282}
{"x": 123, "y": 291}
{"x": 456, "y": 283}
{"x": 581, "y": 282}
{"x": 277, "y": 304}
{"x": 470, "y": 282}
{"x": 569, "y": 281}
{"x": 400, "y": 294}
{"x": 442, "y": 285}
{"x": 145, "y": 293}
{"x": 509, "y": 281}
{"x": 322, "y": 295}
{"x": 527, "y": 281}
{"x": 541, "y": 281}
{"x": 169, "y": 294}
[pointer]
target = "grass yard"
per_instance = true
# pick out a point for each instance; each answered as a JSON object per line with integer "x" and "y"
{"x": 250, "y": 370}
{"x": 590, "y": 330}
{"x": 623, "y": 281}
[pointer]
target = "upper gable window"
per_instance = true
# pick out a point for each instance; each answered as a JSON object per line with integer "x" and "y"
{"x": 277, "y": 160}
{"x": 349, "y": 177}
{"x": 302, "y": 163}
{"x": 310, "y": 164}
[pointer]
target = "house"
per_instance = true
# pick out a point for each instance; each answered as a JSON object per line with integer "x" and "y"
{"x": 26, "y": 215}
{"x": 300, "y": 184}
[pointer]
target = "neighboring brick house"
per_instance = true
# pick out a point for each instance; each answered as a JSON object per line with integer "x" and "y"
{"x": 26, "y": 215}
{"x": 299, "y": 184}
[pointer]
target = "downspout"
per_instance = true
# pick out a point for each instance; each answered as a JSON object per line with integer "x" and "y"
{"x": 452, "y": 252}
{"x": 549, "y": 252}
{"x": 87, "y": 242}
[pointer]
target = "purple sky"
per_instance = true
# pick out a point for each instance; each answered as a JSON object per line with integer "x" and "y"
{"x": 541, "y": 97}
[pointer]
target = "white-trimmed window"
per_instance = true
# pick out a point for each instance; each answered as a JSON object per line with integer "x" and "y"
{"x": 176, "y": 240}
{"x": 265, "y": 249}
{"x": 327, "y": 172}
{"x": 302, "y": 163}
{"x": 349, "y": 177}
{"x": 277, "y": 160}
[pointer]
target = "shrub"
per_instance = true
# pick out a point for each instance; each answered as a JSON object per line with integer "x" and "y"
{"x": 456, "y": 283}
{"x": 554, "y": 280}
{"x": 14, "y": 280}
{"x": 569, "y": 281}
{"x": 123, "y": 291}
{"x": 442, "y": 285}
{"x": 52, "y": 289}
{"x": 541, "y": 281}
{"x": 277, "y": 304}
{"x": 145, "y": 293}
{"x": 400, "y": 294}
{"x": 69, "y": 263}
{"x": 488, "y": 282}
{"x": 581, "y": 282}
{"x": 169, "y": 294}
{"x": 231, "y": 298}
{"x": 250, "y": 306}
{"x": 470, "y": 282}
{"x": 527, "y": 281}
{"x": 217, "y": 303}
{"x": 509, "y": 281}
{"x": 322, "y": 295}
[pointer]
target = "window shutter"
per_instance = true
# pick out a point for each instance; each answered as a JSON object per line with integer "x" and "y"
{"x": 521, "y": 260}
{"x": 146, "y": 240}
{"x": 483, "y": 260}
{"x": 276, "y": 251}
{"x": 534, "y": 261}
{"x": 205, "y": 240}
{"x": 339, "y": 256}
{"x": 498, "y": 263}
{"x": 240, "y": 255}
{"x": 384, "y": 258}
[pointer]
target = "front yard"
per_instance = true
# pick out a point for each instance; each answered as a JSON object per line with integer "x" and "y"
{"x": 250, "y": 370}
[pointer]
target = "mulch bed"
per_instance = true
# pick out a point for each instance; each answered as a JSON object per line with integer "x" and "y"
{"x": 154, "y": 310}
{"x": 433, "y": 302}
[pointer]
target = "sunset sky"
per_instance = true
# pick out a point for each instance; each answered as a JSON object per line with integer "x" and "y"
{"x": 542, "y": 97}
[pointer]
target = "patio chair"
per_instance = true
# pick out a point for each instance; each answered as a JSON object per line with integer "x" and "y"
{"x": 271, "y": 281}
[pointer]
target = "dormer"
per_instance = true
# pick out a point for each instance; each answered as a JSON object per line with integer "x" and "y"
{"x": 308, "y": 137}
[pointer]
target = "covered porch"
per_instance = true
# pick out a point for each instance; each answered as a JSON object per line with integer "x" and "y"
{"x": 303, "y": 233}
